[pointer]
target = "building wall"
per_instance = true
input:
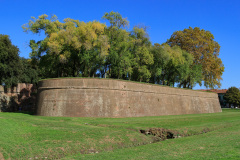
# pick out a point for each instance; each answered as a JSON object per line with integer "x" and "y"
{"x": 18, "y": 98}
{"x": 83, "y": 97}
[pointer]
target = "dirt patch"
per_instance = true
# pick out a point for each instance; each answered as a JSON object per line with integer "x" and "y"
{"x": 1, "y": 156}
{"x": 205, "y": 130}
{"x": 61, "y": 148}
{"x": 161, "y": 134}
{"x": 88, "y": 151}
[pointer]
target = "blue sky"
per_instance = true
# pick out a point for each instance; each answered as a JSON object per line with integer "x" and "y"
{"x": 163, "y": 17}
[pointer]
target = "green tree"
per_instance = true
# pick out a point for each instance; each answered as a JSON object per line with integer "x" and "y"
{"x": 118, "y": 63}
{"x": 75, "y": 48}
{"x": 116, "y": 20}
{"x": 29, "y": 71}
{"x": 189, "y": 74}
{"x": 69, "y": 48}
{"x": 174, "y": 66}
{"x": 161, "y": 58}
{"x": 232, "y": 96}
{"x": 142, "y": 56}
{"x": 10, "y": 64}
{"x": 201, "y": 45}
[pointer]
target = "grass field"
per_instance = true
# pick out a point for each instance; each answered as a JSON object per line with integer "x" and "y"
{"x": 24, "y": 136}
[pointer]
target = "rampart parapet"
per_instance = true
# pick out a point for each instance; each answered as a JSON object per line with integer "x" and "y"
{"x": 86, "y": 97}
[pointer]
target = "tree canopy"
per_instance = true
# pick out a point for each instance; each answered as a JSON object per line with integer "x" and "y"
{"x": 89, "y": 49}
{"x": 14, "y": 69}
{"x": 29, "y": 71}
{"x": 232, "y": 96}
{"x": 205, "y": 50}
{"x": 10, "y": 64}
{"x": 70, "y": 47}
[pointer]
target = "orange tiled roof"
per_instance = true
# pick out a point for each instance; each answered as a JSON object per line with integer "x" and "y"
{"x": 216, "y": 90}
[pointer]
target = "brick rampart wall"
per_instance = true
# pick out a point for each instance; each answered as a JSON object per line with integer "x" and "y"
{"x": 83, "y": 97}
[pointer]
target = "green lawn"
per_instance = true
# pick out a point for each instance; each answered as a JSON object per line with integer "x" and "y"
{"x": 24, "y": 136}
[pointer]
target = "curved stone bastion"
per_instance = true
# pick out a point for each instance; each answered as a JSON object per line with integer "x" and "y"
{"x": 85, "y": 97}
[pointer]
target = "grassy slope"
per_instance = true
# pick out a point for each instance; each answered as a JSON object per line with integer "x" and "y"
{"x": 25, "y": 136}
{"x": 220, "y": 144}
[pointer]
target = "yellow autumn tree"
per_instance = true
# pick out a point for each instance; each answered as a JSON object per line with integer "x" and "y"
{"x": 74, "y": 46}
{"x": 201, "y": 45}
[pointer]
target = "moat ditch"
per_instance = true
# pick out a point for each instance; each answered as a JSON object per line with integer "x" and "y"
{"x": 157, "y": 135}
{"x": 161, "y": 134}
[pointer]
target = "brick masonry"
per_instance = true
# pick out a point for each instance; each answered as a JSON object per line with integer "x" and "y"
{"x": 85, "y": 97}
